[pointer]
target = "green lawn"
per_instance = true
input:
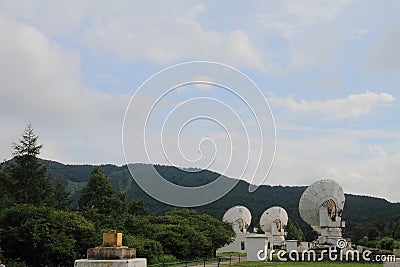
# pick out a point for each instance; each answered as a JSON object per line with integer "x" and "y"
{"x": 311, "y": 264}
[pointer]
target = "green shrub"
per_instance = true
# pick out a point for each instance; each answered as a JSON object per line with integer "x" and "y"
{"x": 15, "y": 263}
{"x": 42, "y": 236}
{"x": 167, "y": 259}
{"x": 386, "y": 243}
{"x": 145, "y": 248}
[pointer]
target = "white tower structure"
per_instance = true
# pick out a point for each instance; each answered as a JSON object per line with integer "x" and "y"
{"x": 321, "y": 206}
{"x": 240, "y": 218}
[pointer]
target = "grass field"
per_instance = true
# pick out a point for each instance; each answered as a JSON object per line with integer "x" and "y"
{"x": 304, "y": 264}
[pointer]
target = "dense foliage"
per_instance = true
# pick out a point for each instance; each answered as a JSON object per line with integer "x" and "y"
{"x": 294, "y": 231}
{"x": 43, "y": 236}
{"x": 180, "y": 234}
{"x": 38, "y": 227}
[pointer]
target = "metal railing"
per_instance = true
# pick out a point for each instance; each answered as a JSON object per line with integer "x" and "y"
{"x": 227, "y": 260}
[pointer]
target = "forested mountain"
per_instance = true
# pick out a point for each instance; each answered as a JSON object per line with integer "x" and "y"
{"x": 38, "y": 214}
{"x": 364, "y": 215}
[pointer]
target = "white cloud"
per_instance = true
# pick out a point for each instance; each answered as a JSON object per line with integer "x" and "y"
{"x": 40, "y": 82}
{"x": 376, "y": 151}
{"x": 139, "y": 31}
{"x": 353, "y": 106}
{"x": 37, "y": 76}
{"x": 170, "y": 38}
{"x": 385, "y": 56}
{"x": 311, "y": 32}
{"x": 41, "y": 77}
{"x": 205, "y": 79}
{"x": 290, "y": 18}
{"x": 349, "y": 157}
{"x": 55, "y": 18}
{"x": 358, "y": 34}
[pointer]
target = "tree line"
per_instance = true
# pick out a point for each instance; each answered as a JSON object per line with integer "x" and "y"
{"x": 360, "y": 212}
{"x": 38, "y": 227}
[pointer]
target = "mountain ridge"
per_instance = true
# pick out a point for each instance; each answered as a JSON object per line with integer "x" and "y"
{"x": 360, "y": 212}
{"x": 88, "y": 168}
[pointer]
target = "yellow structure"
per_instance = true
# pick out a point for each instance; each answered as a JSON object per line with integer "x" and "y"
{"x": 112, "y": 239}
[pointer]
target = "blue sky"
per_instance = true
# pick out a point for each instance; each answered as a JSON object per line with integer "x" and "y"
{"x": 329, "y": 70}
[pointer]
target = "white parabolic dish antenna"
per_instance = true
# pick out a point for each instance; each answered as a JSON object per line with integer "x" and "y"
{"x": 239, "y": 217}
{"x": 321, "y": 193}
{"x": 272, "y": 215}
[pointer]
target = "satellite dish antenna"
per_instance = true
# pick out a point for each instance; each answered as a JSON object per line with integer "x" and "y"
{"x": 321, "y": 206}
{"x": 273, "y": 216}
{"x": 239, "y": 217}
{"x": 274, "y": 221}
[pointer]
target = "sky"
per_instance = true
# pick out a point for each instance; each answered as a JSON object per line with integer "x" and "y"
{"x": 329, "y": 71}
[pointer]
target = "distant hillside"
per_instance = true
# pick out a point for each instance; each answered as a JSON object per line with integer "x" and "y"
{"x": 359, "y": 211}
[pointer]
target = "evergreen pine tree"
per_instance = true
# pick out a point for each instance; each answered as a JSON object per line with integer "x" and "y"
{"x": 98, "y": 193}
{"x": 396, "y": 230}
{"x": 31, "y": 186}
{"x": 6, "y": 188}
{"x": 294, "y": 231}
{"x": 61, "y": 195}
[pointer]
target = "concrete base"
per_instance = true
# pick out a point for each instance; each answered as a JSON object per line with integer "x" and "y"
{"x": 392, "y": 264}
{"x": 111, "y": 253}
{"x": 237, "y": 245}
{"x": 255, "y": 243}
{"x": 138, "y": 262}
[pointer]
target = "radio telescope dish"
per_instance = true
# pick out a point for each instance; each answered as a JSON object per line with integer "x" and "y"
{"x": 323, "y": 193}
{"x": 239, "y": 217}
{"x": 273, "y": 216}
